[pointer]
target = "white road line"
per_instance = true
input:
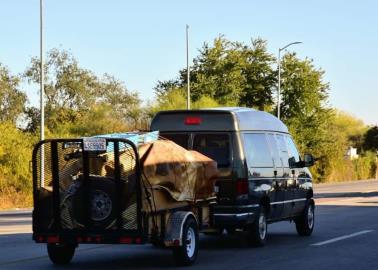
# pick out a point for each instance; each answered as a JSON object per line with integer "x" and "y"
{"x": 342, "y": 238}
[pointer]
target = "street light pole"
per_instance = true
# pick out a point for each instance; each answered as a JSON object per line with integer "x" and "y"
{"x": 279, "y": 77}
{"x": 187, "y": 69}
{"x": 42, "y": 108}
{"x": 279, "y": 86}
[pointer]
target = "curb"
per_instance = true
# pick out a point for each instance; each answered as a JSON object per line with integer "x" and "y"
{"x": 16, "y": 212}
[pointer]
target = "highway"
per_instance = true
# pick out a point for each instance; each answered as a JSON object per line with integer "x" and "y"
{"x": 345, "y": 237}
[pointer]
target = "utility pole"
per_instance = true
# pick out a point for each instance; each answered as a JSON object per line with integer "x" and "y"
{"x": 42, "y": 101}
{"x": 376, "y": 164}
{"x": 279, "y": 77}
{"x": 187, "y": 69}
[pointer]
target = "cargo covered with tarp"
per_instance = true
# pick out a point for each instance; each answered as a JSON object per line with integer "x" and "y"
{"x": 171, "y": 177}
{"x": 185, "y": 175}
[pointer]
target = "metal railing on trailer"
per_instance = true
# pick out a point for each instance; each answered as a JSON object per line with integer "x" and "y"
{"x": 88, "y": 192}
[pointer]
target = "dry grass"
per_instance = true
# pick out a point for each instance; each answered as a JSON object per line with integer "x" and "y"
{"x": 16, "y": 200}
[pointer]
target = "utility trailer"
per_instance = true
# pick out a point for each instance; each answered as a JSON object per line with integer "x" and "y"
{"x": 92, "y": 191}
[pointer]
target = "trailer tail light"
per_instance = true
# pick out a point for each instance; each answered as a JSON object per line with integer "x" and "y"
{"x": 125, "y": 240}
{"x": 191, "y": 120}
{"x": 242, "y": 187}
{"x": 98, "y": 239}
{"x": 40, "y": 239}
{"x": 53, "y": 239}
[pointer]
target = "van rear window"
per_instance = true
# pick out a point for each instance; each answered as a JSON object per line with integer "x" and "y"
{"x": 180, "y": 139}
{"x": 215, "y": 146}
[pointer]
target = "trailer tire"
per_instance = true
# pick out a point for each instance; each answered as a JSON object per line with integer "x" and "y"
{"x": 60, "y": 254}
{"x": 186, "y": 254}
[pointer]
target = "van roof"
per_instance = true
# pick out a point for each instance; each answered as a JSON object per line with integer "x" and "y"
{"x": 242, "y": 119}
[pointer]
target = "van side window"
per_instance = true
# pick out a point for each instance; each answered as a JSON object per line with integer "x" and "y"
{"x": 275, "y": 151}
{"x": 293, "y": 152}
{"x": 257, "y": 150}
{"x": 283, "y": 150}
{"x": 180, "y": 139}
{"x": 214, "y": 146}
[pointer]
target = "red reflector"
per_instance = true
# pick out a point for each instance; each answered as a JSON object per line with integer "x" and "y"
{"x": 40, "y": 238}
{"x": 52, "y": 239}
{"x": 125, "y": 240}
{"x": 98, "y": 239}
{"x": 242, "y": 187}
{"x": 138, "y": 240}
{"x": 190, "y": 120}
{"x": 176, "y": 242}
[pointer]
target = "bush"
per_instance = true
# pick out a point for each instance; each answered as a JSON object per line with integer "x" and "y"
{"x": 15, "y": 155}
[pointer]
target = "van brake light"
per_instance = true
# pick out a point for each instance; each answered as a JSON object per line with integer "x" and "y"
{"x": 190, "y": 120}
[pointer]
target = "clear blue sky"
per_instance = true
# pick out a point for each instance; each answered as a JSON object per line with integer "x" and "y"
{"x": 141, "y": 42}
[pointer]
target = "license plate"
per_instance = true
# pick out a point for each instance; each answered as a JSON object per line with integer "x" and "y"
{"x": 94, "y": 144}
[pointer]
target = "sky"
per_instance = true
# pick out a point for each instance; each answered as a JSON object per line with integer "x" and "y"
{"x": 141, "y": 42}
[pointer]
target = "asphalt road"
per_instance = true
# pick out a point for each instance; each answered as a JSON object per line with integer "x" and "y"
{"x": 345, "y": 237}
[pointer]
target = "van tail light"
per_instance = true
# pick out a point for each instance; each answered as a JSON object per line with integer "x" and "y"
{"x": 242, "y": 187}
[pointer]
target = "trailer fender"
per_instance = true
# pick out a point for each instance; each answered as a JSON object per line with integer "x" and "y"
{"x": 174, "y": 229}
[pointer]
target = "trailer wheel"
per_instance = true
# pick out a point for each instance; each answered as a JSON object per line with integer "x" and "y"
{"x": 187, "y": 253}
{"x": 60, "y": 253}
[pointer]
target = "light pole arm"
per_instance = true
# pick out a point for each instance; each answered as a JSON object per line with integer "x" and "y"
{"x": 279, "y": 77}
{"x": 293, "y": 43}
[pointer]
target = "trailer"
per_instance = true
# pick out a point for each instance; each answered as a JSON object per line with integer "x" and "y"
{"x": 92, "y": 191}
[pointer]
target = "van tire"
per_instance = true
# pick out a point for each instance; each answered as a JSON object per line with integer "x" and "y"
{"x": 258, "y": 230}
{"x": 60, "y": 254}
{"x": 306, "y": 222}
{"x": 186, "y": 254}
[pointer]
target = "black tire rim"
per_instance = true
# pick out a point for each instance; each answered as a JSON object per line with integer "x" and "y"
{"x": 101, "y": 205}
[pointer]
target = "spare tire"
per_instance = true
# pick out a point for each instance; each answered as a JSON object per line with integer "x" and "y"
{"x": 102, "y": 203}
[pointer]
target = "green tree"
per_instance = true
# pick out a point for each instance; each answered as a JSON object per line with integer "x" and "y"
{"x": 231, "y": 73}
{"x": 260, "y": 77}
{"x": 305, "y": 110}
{"x": 74, "y": 93}
{"x": 370, "y": 140}
{"x": 176, "y": 100}
{"x": 12, "y": 99}
{"x": 351, "y": 128}
{"x": 15, "y": 154}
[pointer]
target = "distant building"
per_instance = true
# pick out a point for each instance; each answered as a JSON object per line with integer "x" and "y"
{"x": 351, "y": 153}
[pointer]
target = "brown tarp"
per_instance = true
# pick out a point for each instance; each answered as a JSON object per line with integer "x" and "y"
{"x": 185, "y": 175}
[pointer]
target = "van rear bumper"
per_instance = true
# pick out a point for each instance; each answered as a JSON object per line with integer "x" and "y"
{"x": 234, "y": 216}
